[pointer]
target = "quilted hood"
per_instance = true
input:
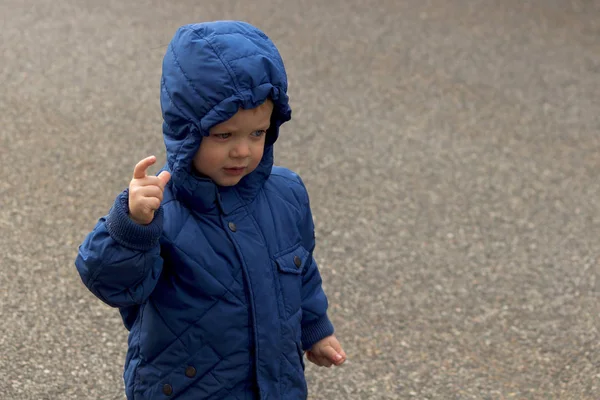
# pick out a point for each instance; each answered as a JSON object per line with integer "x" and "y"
{"x": 210, "y": 70}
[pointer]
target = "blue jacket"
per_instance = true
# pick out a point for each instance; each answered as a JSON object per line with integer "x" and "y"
{"x": 220, "y": 293}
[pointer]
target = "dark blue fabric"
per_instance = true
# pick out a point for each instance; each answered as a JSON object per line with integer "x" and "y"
{"x": 238, "y": 305}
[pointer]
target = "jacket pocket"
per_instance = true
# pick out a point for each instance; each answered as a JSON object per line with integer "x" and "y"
{"x": 176, "y": 374}
{"x": 291, "y": 264}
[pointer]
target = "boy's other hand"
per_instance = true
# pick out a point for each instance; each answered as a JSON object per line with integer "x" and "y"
{"x": 146, "y": 192}
{"x": 327, "y": 352}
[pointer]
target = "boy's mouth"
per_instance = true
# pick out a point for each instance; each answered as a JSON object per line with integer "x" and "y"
{"x": 234, "y": 170}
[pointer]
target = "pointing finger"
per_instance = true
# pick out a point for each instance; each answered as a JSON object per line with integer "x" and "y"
{"x": 139, "y": 171}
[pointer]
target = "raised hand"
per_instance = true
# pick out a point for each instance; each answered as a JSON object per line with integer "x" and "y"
{"x": 146, "y": 192}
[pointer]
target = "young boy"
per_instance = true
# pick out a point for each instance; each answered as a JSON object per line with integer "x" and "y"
{"x": 210, "y": 262}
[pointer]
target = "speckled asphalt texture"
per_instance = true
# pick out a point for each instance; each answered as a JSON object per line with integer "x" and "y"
{"x": 451, "y": 149}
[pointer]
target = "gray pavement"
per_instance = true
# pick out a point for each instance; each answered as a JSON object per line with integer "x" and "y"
{"x": 451, "y": 149}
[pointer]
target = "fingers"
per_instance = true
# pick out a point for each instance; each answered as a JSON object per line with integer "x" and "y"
{"x": 319, "y": 358}
{"x": 310, "y": 357}
{"x": 151, "y": 203}
{"x": 335, "y": 344}
{"x": 164, "y": 178}
{"x": 327, "y": 352}
{"x": 152, "y": 181}
{"x": 150, "y": 191}
{"x": 146, "y": 192}
{"x": 140, "y": 174}
{"x": 344, "y": 357}
{"x": 321, "y": 361}
{"x": 139, "y": 171}
{"x": 340, "y": 356}
{"x": 331, "y": 354}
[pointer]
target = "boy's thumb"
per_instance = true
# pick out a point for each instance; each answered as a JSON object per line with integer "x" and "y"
{"x": 164, "y": 177}
{"x": 331, "y": 353}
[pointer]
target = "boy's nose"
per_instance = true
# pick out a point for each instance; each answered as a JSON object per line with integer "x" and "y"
{"x": 241, "y": 150}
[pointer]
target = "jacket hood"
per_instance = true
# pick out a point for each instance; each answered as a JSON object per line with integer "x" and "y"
{"x": 210, "y": 70}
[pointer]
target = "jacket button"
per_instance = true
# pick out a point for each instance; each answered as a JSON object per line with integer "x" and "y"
{"x": 190, "y": 372}
{"x": 232, "y": 227}
{"x": 167, "y": 389}
{"x": 297, "y": 261}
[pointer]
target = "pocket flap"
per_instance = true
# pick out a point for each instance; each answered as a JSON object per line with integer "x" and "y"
{"x": 292, "y": 261}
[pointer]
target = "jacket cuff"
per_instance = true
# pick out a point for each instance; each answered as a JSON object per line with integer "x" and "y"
{"x": 316, "y": 331}
{"x": 128, "y": 233}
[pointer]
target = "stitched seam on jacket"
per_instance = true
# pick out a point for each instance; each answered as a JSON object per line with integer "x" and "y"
{"x": 235, "y": 34}
{"x": 296, "y": 182}
{"x": 143, "y": 275}
{"x": 191, "y": 258}
{"x": 289, "y": 250}
{"x": 189, "y": 81}
{"x": 276, "y": 193}
{"x": 151, "y": 361}
{"x": 310, "y": 313}
{"x": 250, "y": 289}
{"x": 222, "y": 386}
{"x": 177, "y": 337}
{"x": 226, "y": 65}
{"x": 296, "y": 185}
{"x": 189, "y": 214}
{"x": 260, "y": 232}
{"x": 287, "y": 178}
{"x": 275, "y": 64}
{"x": 260, "y": 35}
{"x": 164, "y": 85}
{"x": 94, "y": 278}
{"x": 210, "y": 371}
{"x": 246, "y": 56}
{"x": 208, "y": 272}
{"x": 289, "y": 361}
{"x": 136, "y": 377}
{"x": 235, "y": 278}
{"x": 208, "y": 309}
{"x": 184, "y": 140}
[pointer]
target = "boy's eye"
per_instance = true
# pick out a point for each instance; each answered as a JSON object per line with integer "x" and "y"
{"x": 222, "y": 135}
{"x": 258, "y": 133}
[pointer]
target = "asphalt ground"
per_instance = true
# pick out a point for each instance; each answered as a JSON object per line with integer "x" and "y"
{"x": 450, "y": 148}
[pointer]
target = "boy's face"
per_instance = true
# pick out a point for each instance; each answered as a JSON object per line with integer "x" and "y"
{"x": 235, "y": 147}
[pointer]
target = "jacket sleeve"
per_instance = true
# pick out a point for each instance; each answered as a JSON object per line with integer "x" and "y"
{"x": 315, "y": 322}
{"x": 119, "y": 261}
